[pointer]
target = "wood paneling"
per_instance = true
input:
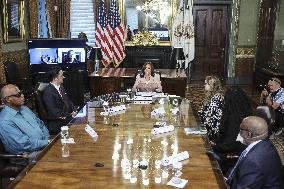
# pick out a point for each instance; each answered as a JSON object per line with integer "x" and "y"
{"x": 266, "y": 26}
{"x": 20, "y": 57}
{"x": 109, "y": 80}
{"x": 244, "y": 67}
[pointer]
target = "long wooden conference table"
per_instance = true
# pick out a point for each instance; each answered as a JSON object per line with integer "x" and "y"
{"x": 98, "y": 163}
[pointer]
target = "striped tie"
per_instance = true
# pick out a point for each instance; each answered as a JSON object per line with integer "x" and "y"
{"x": 232, "y": 174}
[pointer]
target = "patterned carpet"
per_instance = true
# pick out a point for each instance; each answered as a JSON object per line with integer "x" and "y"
{"x": 195, "y": 92}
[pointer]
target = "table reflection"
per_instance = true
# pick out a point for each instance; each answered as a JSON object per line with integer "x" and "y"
{"x": 131, "y": 156}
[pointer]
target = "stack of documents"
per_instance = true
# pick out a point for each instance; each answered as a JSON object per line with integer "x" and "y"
{"x": 194, "y": 131}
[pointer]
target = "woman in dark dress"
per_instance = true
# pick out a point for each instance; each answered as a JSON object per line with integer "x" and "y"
{"x": 237, "y": 106}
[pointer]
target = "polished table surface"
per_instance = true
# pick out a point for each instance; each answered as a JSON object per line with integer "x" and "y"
{"x": 132, "y": 140}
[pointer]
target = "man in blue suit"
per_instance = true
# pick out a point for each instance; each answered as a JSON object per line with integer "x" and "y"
{"x": 259, "y": 166}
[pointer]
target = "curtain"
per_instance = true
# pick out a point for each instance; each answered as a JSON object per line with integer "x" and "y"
{"x": 58, "y": 16}
{"x": 2, "y": 75}
{"x": 33, "y": 16}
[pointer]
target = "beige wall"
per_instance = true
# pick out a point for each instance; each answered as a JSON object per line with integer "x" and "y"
{"x": 248, "y": 24}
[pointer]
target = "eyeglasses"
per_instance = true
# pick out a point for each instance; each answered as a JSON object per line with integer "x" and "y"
{"x": 17, "y": 95}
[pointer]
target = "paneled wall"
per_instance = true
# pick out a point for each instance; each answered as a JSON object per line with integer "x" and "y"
{"x": 244, "y": 67}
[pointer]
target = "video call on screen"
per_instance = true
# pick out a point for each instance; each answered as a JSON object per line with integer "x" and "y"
{"x": 54, "y": 55}
{"x": 54, "y": 51}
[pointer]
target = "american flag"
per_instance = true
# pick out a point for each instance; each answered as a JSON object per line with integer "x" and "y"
{"x": 100, "y": 31}
{"x": 115, "y": 34}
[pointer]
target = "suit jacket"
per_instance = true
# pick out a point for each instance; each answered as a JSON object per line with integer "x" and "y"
{"x": 56, "y": 107}
{"x": 260, "y": 168}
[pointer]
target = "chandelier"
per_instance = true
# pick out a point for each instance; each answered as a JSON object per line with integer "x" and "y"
{"x": 156, "y": 9}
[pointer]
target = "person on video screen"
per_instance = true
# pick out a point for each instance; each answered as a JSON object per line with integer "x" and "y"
{"x": 71, "y": 57}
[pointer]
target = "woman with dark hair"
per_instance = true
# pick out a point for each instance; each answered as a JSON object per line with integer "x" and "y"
{"x": 237, "y": 106}
{"x": 211, "y": 110}
{"x": 147, "y": 80}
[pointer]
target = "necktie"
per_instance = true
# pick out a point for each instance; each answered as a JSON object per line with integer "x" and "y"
{"x": 64, "y": 97}
{"x": 232, "y": 174}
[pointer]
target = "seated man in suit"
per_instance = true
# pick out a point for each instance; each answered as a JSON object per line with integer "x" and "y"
{"x": 259, "y": 165}
{"x": 57, "y": 102}
{"x": 20, "y": 130}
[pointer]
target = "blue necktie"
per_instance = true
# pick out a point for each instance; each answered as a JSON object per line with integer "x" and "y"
{"x": 232, "y": 174}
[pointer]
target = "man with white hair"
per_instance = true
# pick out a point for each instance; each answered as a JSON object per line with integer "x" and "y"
{"x": 259, "y": 165}
{"x": 273, "y": 97}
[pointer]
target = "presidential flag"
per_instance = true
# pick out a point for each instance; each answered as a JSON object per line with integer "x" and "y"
{"x": 183, "y": 31}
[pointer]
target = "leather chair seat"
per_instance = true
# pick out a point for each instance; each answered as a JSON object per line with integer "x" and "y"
{"x": 11, "y": 170}
{"x": 7, "y": 169}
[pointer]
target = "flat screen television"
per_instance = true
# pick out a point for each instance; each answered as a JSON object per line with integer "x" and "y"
{"x": 48, "y": 53}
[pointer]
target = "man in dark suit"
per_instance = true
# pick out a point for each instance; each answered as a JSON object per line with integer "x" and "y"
{"x": 259, "y": 166}
{"x": 57, "y": 102}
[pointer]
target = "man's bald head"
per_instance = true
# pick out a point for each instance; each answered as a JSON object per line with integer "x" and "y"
{"x": 12, "y": 96}
{"x": 7, "y": 90}
{"x": 256, "y": 126}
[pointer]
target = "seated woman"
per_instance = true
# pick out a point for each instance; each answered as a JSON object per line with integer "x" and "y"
{"x": 71, "y": 57}
{"x": 236, "y": 107}
{"x": 147, "y": 80}
{"x": 211, "y": 110}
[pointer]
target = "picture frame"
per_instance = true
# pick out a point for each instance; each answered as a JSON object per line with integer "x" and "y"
{"x": 13, "y": 14}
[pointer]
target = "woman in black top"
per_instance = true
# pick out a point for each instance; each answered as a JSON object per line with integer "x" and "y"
{"x": 236, "y": 107}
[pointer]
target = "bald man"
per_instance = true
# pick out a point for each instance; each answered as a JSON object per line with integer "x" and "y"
{"x": 259, "y": 166}
{"x": 274, "y": 98}
{"x": 20, "y": 130}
